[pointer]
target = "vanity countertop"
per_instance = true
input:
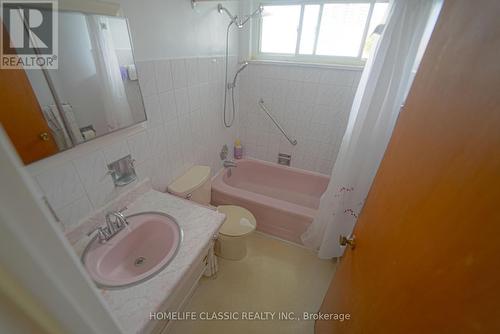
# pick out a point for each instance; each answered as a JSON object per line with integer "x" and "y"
{"x": 132, "y": 306}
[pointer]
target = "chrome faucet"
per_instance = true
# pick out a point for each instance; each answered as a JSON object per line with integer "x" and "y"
{"x": 117, "y": 225}
{"x": 105, "y": 233}
{"x": 229, "y": 163}
{"x": 101, "y": 233}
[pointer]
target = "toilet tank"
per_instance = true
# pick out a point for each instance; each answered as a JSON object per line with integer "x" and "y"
{"x": 194, "y": 185}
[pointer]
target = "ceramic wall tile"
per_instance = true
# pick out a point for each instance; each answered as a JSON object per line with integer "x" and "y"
{"x": 311, "y": 103}
{"x": 183, "y": 100}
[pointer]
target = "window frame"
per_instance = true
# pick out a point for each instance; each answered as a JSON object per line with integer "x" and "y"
{"x": 302, "y": 58}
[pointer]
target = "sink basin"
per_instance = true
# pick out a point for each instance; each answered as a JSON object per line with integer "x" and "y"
{"x": 136, "y": 253}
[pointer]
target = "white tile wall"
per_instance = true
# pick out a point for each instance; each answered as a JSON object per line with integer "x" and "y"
{"x": 183, "y": 102}
{"x": 311, "y": 103}
{"x": 163, "y": 74}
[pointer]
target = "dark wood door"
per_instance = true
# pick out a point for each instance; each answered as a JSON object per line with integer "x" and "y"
{"x": 22, "y": 118}
{"x": 427, "y": 258}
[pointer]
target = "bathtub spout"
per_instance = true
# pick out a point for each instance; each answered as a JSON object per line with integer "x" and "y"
{"x": 228, "y": 164}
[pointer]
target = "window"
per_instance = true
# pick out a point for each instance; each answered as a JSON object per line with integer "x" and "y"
{"x": 324, "y": 31}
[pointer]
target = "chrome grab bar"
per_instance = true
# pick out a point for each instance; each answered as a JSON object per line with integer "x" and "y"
{"x": 263, "y": 107}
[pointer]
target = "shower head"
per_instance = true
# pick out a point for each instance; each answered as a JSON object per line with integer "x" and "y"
{"x": 236, "y": 20}
{"x": 239, "y": 22}
{"x": 243, "y": 66}
{"x": 258, "y": 11}
{"x": 246, "y": 18}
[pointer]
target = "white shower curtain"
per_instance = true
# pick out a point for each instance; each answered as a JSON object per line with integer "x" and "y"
{"x": 116, "y": 107}
{"x": 382, "y": 90}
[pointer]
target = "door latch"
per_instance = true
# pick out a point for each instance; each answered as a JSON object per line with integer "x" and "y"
{"x": 44, "y": 136}
{"x": 344, "y": 241}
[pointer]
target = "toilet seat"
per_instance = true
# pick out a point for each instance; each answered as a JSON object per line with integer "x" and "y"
{"x": 239, "y": 221}
{"x": 195, "y": 185}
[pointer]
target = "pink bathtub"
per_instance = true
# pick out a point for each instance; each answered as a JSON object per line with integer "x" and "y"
{"x": 284, "y": 200}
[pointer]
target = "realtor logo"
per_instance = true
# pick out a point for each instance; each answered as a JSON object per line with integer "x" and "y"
{"x": 29, "y": 34}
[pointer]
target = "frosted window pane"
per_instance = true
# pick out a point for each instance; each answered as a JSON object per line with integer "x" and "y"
{"x": 279, "y": 29}
{"x": 341, "y": 30}
{"x": 309, "y": 24}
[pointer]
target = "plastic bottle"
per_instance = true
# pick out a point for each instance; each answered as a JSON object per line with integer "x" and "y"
{"x": 238, "y": 149}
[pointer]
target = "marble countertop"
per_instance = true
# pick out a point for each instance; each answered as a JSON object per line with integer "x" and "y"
{"x": 132, "y": 306}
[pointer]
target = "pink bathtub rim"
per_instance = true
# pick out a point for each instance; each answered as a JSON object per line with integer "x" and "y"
{"x": 220, "y": 186}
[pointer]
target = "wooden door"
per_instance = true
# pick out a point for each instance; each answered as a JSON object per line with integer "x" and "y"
{"x": 427, "y": 258}
{"x": 22, "y": 118}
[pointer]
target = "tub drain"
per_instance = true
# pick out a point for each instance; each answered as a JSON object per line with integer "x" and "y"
{"x": 139, "y": 261}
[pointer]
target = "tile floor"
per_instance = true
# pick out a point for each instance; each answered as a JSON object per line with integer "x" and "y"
{"x": 275, "y": 277}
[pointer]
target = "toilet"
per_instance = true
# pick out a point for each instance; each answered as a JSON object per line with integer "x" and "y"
{"x": 196, "y": 185}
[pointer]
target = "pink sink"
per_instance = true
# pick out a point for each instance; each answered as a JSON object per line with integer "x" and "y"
{"x": 135, "y": 254}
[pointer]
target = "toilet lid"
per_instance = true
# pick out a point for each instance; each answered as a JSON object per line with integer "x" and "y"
{"x": 239, "y": 221}
{"x": 191, "y": 180}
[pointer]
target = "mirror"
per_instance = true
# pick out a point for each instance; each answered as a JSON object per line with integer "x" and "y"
{"x": 96, "y": 83}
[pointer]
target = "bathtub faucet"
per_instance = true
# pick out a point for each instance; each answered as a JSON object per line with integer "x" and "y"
{"x": 229, "y": 163}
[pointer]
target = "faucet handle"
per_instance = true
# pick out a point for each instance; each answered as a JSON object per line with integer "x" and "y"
{"x": 119, "y": 220}
{"x": 122, "y": 221}
{"x": 112, "y": 225}
{"x": 101, "y": 233}
{"x": 110, "y": 171}
{"x": 122, "y": 209}
{"x": 224, "y": 152}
